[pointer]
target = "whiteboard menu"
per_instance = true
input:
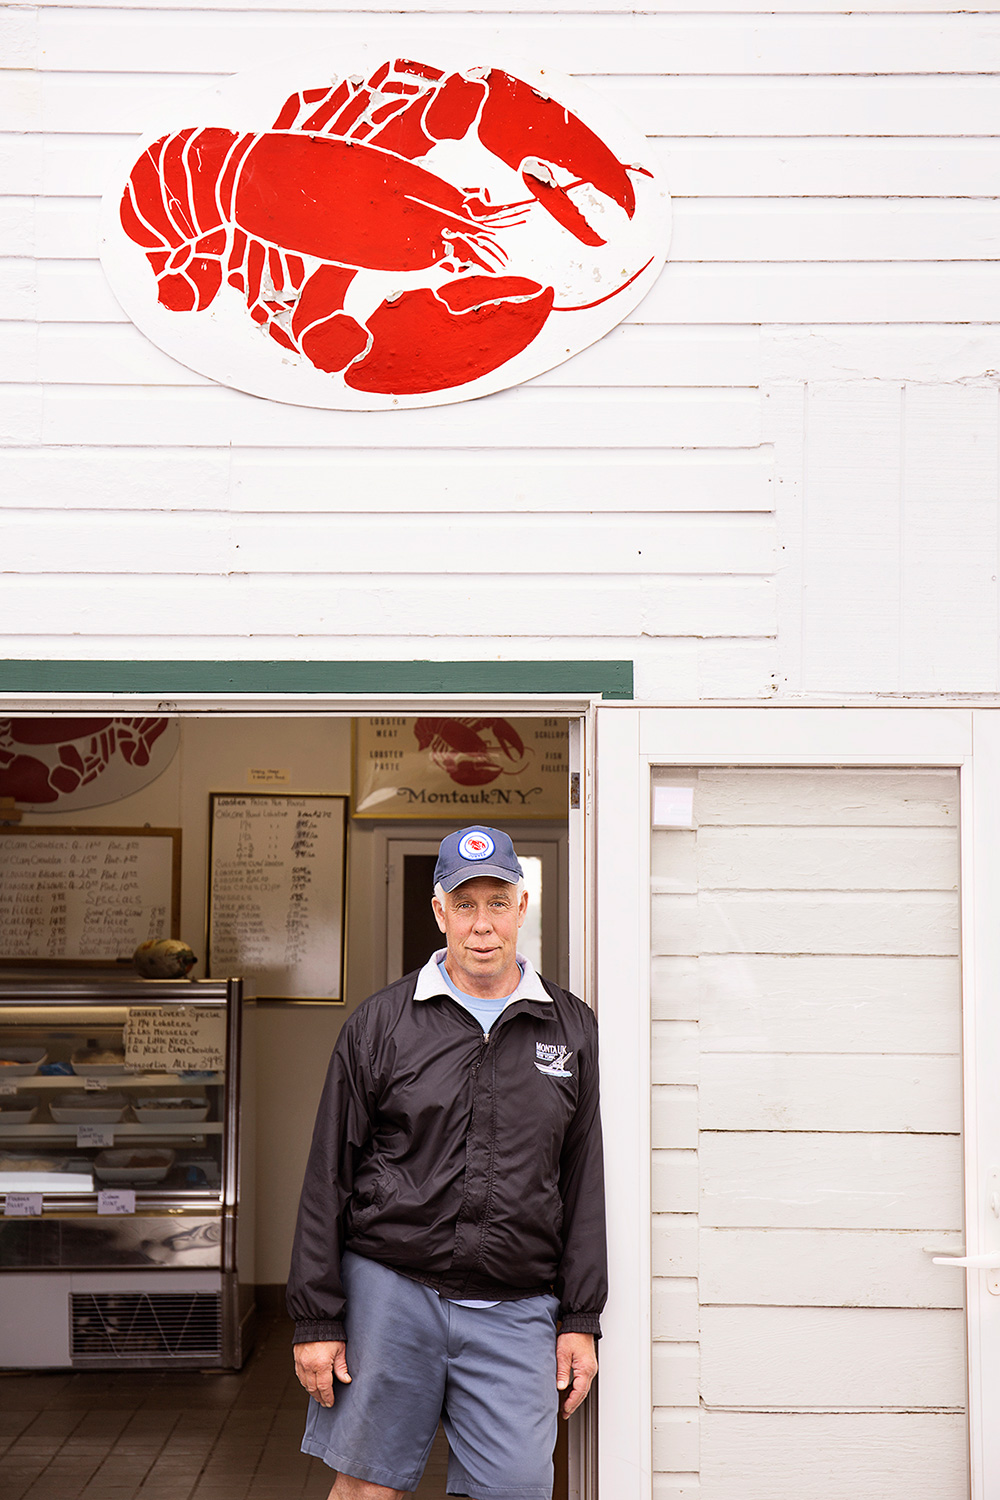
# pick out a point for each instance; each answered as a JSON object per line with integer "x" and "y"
{"x": 276, "y": 894}
{"x": 86, "y": 895}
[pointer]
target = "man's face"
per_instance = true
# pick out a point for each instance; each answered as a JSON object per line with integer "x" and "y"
{"x": 480, "y": 920}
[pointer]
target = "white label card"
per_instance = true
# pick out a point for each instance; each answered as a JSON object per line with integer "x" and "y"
{"x": 95, "y": 1135}
{"x": 116, "y": 1201}
{"x": 95, "y": 1085}
{"x": 8, "y": 1088}
{"x": 23, "y": 1206}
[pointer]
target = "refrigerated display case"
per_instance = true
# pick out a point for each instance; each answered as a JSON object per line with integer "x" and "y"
{"x": 126, "y": 1172}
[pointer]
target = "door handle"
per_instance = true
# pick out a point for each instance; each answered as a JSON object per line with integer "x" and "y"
{"x": 989, "y": 1262}
{"x": 986, "y": 1260}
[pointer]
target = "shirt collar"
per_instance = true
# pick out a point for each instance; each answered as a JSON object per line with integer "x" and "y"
{"x": 429, "y": 981}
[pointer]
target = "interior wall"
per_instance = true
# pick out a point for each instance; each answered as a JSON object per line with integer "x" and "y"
{"x": 293, "y": 1041}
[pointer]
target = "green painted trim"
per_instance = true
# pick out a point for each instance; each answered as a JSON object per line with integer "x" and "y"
{"x": 610, "y": 679}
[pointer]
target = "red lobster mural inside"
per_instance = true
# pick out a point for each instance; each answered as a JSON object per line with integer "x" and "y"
{"x": 291, "y": 216}
{"x": 45, "y": 760}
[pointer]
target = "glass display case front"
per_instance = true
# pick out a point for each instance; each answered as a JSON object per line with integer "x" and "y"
{"x": 121, "y": 1158}
{"x": 76, "y": 1119}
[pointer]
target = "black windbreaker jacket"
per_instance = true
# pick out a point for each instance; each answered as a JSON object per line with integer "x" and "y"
{"x": 472, "y": 1164}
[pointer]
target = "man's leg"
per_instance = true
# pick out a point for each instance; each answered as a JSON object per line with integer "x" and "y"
{"x": 347, "y": 1488}
{"x": 501, "y": 1403}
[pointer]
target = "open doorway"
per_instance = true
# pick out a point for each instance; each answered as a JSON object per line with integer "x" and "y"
{"x": 310, "y": 754}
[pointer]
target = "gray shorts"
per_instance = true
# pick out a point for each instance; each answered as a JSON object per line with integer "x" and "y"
{"x": 488, "y": 1373}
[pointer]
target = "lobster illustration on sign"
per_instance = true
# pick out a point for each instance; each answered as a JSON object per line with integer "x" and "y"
{"x": 473, "y": 752}
{"x": 351, "y": 180}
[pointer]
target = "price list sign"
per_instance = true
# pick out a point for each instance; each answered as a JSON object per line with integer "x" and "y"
{"x": 86, "y": 895}
{"x": 276, "y": 896}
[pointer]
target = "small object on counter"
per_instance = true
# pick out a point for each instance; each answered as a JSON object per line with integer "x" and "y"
{"x": 98, "y": 1062}
{"x": 164, "y": 958}
{"x": 172, "y": 1110}
{"x": 22, "y": 1173}
{"x": 56, "y": 1070}
{"x": 136, "y": 1164}
{"x": 21, "y": 1062}
{"x": 88, "y": 1109}
{"x": 19, "y": 1109}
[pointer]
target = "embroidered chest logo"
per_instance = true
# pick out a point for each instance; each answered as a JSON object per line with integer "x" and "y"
{"x": 553, "y": 1060}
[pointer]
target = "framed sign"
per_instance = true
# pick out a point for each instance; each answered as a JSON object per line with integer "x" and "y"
{"x": 469, "y": 768}
{"x": 276, "y": 893}
{"x": 86, "y": 895}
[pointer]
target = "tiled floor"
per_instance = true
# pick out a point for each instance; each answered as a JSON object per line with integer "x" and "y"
{"x": 153, "y": 1435}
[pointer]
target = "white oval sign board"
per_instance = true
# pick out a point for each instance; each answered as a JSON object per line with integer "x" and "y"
{"x": 402, "y": 232}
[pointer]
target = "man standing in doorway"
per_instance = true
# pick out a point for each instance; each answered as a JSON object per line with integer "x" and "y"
{"x": 449, "y": 1259}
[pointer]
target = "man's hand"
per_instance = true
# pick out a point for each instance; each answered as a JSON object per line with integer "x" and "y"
{"x": 576, "y": 1366}
{"x": 317, "y": 1364}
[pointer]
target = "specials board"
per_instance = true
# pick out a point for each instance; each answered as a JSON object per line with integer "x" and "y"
{"x": 175, "y": 1038}
{"x": 276, "y": 893}
{"x": 86, "y": 895}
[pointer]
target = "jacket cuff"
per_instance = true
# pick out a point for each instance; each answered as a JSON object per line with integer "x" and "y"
{"x": 319, "y": 1332}
{"x": 581, "y": 1322}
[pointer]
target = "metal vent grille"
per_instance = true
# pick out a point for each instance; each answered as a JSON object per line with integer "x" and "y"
{"x": 146, "y": 1325}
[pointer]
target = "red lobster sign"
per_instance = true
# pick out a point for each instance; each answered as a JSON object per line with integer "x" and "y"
{"x": 402, "y": 237}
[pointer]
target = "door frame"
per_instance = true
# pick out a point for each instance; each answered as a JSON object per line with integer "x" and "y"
{"x": 630, "y": 741}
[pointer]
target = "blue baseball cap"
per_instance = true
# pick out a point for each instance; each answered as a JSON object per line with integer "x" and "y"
{"x": 476, "y": 851}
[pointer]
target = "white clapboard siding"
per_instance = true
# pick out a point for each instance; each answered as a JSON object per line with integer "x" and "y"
{"x": 880, "y": 503}
{"x": 841, "y": 1003}
{"x": 523, "y": 417}
{"x": 258, "y": 544}
{"x": 675, "y": 1181}
{"x": 727, "y": 230}
{"x": 115, "y": 353}
{"x": 336, "y": 606}
{"x": 675, "y": 1115}
{"x": 828, "y": 230}
{"x": 723, "y": 293}
{"x": 675, "y": 1308}
{"x": 110, "y": 103}
{"x": 788, "y": 107}
{"x": 938, "y": 168}
{"x": 798, "y": 1357}
{"x": 70, "y": 166}
{"x": 773, "y": 1091}
{"x": 920, "y": 922}
{"x": 852, "y": 858}
{"x": 675, "y": 1374}
{"x": 71, "y": 39}
{"x": 784, "y": 798}
{"x": 675, "y": 1055}
{"x": 936, "y": 353}
{"x": 947, "y": 590}
{"x": 778, "y": 1267}
{"x": 916, "y": 1455}
{"x": 761, "y": 1179}
{"x": 676, "y": 1244}
{"x": 403, "y": 483}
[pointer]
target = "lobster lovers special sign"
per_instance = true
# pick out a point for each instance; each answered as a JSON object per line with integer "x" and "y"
{"x": 385, "y": 229}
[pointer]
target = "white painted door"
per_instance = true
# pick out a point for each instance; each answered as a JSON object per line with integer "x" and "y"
{"x": 781, "y": 1000}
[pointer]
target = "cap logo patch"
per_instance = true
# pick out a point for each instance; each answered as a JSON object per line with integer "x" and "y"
{"x": 476, "y": 846}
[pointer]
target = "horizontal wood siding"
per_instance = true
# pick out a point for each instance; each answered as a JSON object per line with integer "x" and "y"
{"x": 811, "y": 363}
{"x": 806, "y": 1129}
